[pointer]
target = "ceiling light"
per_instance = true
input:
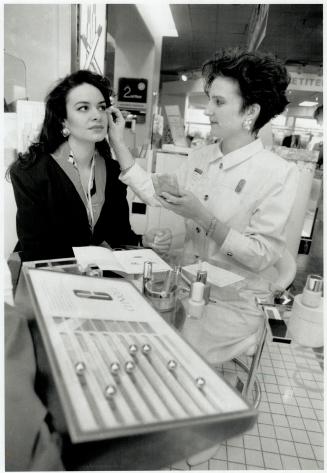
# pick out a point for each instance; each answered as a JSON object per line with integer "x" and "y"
{"x": 307, "y": 103}
{"x": 184, "y": 77}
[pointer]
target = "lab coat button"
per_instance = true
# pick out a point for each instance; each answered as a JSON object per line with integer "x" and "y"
{"x": 229, "y": 253}
{"x": 220, "y": 165}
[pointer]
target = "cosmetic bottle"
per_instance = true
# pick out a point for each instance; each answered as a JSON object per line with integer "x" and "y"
{"x": 312, "y": 292}
{"x": 196, "y": 303}
{"x": 147, "y": 274}
{"x": 192, "y": 329}
{"x": 305, "y": 324}
{"x": 201, "y": 276}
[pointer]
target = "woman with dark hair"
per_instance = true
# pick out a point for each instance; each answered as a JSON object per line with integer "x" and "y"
{"x": 235, "y": 195}
{"x": 234, "y": 192}
{"x": 66, "y": 186}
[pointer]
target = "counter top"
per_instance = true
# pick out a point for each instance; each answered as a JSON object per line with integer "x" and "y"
{"x": 296, "y": 154}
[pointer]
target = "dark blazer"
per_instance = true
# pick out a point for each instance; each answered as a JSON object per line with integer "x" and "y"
{"x": 51, "y": 216}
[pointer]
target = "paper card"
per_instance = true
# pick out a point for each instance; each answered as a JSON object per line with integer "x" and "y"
{"x": 126, "y": 261}
{"x": 216, "y": 276}
{"x": 132, "y": 261}
{"x": 102, "y": 257}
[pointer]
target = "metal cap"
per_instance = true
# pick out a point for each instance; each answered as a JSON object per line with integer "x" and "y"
{"x": 314, "y": 283}
{"x": 201, "y": 276}
{"x": 147, "y": 270}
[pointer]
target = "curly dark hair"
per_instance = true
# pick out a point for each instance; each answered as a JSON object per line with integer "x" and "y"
{"x": 318, "y": 111}
{"x": 262, "y": 79}
{"x": 51, "y": 137}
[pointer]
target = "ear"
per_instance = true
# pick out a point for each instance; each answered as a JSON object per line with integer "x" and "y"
{"x": 253, "y": 111}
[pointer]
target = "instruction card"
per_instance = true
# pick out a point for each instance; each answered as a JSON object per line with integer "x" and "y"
{"x": 125, "y": 261}
{"x": 216, "y": 276}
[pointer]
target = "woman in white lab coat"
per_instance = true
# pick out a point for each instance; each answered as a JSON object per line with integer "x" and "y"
{"x": 235, "y": 196}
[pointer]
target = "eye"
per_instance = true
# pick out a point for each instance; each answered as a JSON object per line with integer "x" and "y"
{"x": 82, "y": 108}
{"x": 102, "y": 107}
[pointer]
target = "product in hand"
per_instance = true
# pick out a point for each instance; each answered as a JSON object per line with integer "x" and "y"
{"x": 165, "y": 183}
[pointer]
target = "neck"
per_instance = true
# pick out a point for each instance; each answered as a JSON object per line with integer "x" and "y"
{"x": 83, "y": 152}
{"x": 231, "y": 144}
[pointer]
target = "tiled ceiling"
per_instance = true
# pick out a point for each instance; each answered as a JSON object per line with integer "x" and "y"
{"x": 294, "y": 33}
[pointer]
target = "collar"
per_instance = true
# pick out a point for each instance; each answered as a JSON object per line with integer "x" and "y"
{"x": 240, "y": 155}
{"x": 215, "y": 152}
{"x": 64, "y": 155}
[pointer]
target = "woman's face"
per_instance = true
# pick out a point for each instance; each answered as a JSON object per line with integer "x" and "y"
{"x": 224, "y": 108}
{"x": 86, "y": 114}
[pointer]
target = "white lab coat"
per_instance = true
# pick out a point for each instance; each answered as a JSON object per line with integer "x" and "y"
{"x": 252, "y": 190}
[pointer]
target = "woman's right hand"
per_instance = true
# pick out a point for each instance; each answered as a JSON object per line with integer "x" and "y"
{"x": 159, "y": 239}
{"x": 116, "y": 124}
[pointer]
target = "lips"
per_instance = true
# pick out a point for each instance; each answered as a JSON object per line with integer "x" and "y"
{"x": 97, "y": 127}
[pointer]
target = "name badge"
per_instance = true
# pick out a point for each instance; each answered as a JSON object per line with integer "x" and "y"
{"x": 196, "y": 175}
{"x": 240, "y": 186}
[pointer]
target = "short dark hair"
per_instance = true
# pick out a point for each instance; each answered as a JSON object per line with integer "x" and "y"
{"x": 317, "y": 112}
{"x": 262, "y": 79}
{"x": 51, "y": 137}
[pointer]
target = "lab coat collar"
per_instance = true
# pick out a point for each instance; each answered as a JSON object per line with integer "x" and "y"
{"x": 242, "y": 154}
{"x": 214, "y": 152}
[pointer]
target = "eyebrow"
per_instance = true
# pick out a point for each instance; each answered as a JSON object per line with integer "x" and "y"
{"x": 86, "y": 102}
{"x": 217, "y": 97}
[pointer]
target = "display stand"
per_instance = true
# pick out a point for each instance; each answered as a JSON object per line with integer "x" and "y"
{"x": 119, "y": 368}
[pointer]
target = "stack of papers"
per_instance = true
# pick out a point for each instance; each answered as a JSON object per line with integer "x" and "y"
{"x": 216, "y": 276}
{"x": 125, "y": 261}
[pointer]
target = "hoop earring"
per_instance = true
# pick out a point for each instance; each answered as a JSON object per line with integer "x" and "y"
{"x": 65, "y": 132}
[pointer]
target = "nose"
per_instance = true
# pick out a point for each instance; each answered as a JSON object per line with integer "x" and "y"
{"x": 208, "y": 111}
{"x": 96, "y": 113}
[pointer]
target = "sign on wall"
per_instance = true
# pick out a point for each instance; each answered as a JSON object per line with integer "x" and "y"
{"x": 132, "y": 93}
{"x": 92, "y": 36}
{"x": 176, "y": 125}
{"x": 306, "y": 82}
{"x": 30, "y": 116}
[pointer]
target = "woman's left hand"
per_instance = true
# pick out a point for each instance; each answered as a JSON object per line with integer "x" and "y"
{"x": 187, "y": 205}
{"x": 159, "y": 239}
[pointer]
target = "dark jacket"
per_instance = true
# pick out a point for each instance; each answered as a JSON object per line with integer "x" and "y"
{"x": 51, "y": 216}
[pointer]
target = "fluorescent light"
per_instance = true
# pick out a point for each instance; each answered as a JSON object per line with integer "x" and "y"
{"x": 307, "y": 103}
{"x": 158, "y": 18}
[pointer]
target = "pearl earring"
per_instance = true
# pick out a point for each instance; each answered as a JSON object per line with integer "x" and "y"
{"x": 247, "y": 124}
{"x": 65, "y": 132}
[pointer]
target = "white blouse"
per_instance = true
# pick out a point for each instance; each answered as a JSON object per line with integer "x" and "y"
{"x": 252, "y": 190}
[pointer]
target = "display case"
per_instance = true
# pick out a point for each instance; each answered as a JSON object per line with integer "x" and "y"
{"x": 119, "y": 368}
